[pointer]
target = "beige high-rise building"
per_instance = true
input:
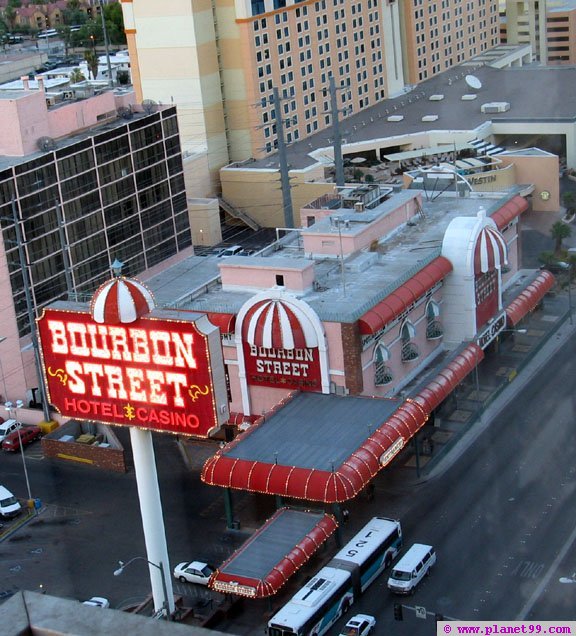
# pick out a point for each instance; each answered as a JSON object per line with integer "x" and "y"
{"x": 219, "y": 60}
{"x": 549, "y": 26}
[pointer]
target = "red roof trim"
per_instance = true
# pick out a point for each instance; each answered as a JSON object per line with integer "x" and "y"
{"x": 226, "y": 322}
{"x": 354, "y": 474}
{"x": 509, "y": 211}
{"x": 283, "y": 570}
{"x": 530, "y": 297}
{"x": 400, "y": 299}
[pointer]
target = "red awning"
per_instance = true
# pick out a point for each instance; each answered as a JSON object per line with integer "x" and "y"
{"x": 345, "y": 481}
{"x": 530, "y": 297}
{"x": 400, "y": 299}
{"x": 226, "y": 322}
{"x": 273, "y": 554}
{"x": 510, "y": 211}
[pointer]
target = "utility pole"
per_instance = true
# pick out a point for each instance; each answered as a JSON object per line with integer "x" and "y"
{"x": 30, "y": 311}
{"x": 283, "y": 160}
{"x": 338, "y": 161}
{"x": 106, "y": 45}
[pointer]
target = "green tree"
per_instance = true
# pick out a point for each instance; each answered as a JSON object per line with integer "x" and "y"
{"x": 114, "y": 23}
{"x": 92, "y": 61}
{"x": 569, "y": 200}
{"x": 559, "y": 231}
{"x": 76, "y": 76}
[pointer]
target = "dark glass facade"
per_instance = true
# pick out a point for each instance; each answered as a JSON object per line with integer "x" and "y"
{"x": 121, "y": 195}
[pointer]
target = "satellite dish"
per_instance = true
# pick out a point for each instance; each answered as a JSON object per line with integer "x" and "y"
{"x": 46, "y": 144}
{"x": 473, "y": 81}
{"x": 125, "y": 112}
{"x": 149, "y": 106}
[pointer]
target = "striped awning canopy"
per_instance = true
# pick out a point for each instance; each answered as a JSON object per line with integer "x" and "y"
{"x": 308, "y": 465}
{"x": 529, "y": 297}
{"x": 278, "y": 324}
{"x": 490, "y": 252}
{"x": 121, "y": 300}
{"x": 273, "y": 554}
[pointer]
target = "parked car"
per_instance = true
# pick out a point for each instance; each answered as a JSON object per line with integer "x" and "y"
{"x": 97, "y": 601}
{"x": 9, "y": 505}
{"x": 233, "y": 250}
{"x": 359, "y": 625}
{"x": 25, "y": 435}
{"x": 193, "y": 572}
{"x": 7, "y": 427}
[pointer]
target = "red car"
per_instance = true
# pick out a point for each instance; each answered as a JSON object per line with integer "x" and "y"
{"x": 26, "y": 433}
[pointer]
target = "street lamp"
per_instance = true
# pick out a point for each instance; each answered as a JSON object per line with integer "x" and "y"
{"x": 11, "y": 408}
{"x": 160, "y": 566}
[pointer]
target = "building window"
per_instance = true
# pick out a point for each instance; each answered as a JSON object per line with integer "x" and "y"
{"x": 280, "y": 280}
{"x": 434, "y": 328}
{"x": 409, "y": 348}
{"x": 382, "y": 372}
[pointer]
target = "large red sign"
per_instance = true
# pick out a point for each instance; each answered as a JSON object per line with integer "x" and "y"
{"x": 283, "y": 368}
{"x": 156, "y": 373}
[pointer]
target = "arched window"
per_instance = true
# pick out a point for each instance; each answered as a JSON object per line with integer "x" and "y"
{"x": 434, "y": 328}
{"x": 409, "y": 349}
{"x": 382, "y": 372}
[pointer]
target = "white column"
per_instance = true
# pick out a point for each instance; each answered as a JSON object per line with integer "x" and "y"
{"x": 152, "y": 517}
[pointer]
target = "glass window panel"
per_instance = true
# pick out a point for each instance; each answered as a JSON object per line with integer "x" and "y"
{"x": 36, "y": 179}
{"x": 115, "y": 170}
{"x": 78, "y": 185}
{"x": 156, "y": 214}
{"x": 120, "y": 211}
{"x": 128, "y": 228}
{"x": 153, "y": 195}
{"x": 86, "y": 226}
{"x": 87, "y": 249}
{"x": 149, "y": 155}
{"x": 146, "y": 136}
{"x": 113, "y": 149}
{"x": 40, "y": 224}
{"x": 151, "y": 175}
{"x": 81, "y": 206}
{"x": 118, "y": 190}
{"x": 39, "y": 203}
{"x": 75, "y": 164}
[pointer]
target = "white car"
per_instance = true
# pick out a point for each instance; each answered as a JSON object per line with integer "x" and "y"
{"x": 97, "y": 601}
{"x": 193, "y": 572}
{"x": 359, "y": 625}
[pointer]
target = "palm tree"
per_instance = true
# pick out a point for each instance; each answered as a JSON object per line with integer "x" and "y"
{"x": 569, "y": 201}
{"x": 559, "y": 231}
{"x": 92, "y": 61}
{"x": 76, "y": 76}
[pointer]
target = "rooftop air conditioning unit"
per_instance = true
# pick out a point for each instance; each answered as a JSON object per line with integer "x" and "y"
{"x": 495, "y": 107}
{"x": 359, "y": 206}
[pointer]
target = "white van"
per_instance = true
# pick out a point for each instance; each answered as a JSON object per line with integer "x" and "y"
{"x": 9, "y": 505}
{"x": 7, "y": 427}
{"x": 412, "y": 568}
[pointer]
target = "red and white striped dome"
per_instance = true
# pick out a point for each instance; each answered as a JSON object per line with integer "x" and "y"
{"x": 121, "y": 300}
{"x": 490, "y": 251}
{"x": 277, "y": 324}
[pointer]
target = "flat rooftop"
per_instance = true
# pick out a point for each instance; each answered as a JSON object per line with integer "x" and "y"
{"x": 337, "y": 296}
{"x": 336, "y": 433}
{"x": 535, "y": 93}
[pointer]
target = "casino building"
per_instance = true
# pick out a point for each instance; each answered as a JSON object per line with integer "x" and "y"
{"x": 342, "y": 339}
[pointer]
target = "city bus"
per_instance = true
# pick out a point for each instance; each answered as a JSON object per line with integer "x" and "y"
{"x": 330, "y": 593}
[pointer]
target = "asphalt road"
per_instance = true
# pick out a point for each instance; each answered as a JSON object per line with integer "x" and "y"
{"x": 502, "y": 518}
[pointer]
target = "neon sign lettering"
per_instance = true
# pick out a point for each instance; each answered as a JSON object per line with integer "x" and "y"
{"x": 153, "y": 373}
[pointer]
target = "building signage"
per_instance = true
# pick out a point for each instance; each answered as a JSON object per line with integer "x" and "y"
{"x": 389, "y": 454}
{"x": 495, "y": 327}
{"x": 155, "y": 373}
{"x": 283, "y": 368}
{"x": 231, "y": 587}
{"x": 489, "y": 178}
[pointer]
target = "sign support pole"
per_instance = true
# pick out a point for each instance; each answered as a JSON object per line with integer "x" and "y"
{"x": 152, "y": 518}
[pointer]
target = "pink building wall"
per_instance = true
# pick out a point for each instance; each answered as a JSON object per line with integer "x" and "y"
{"x": 260, "y": 273}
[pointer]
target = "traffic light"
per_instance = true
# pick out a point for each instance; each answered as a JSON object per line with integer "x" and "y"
{"x": 398, "y": 612}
